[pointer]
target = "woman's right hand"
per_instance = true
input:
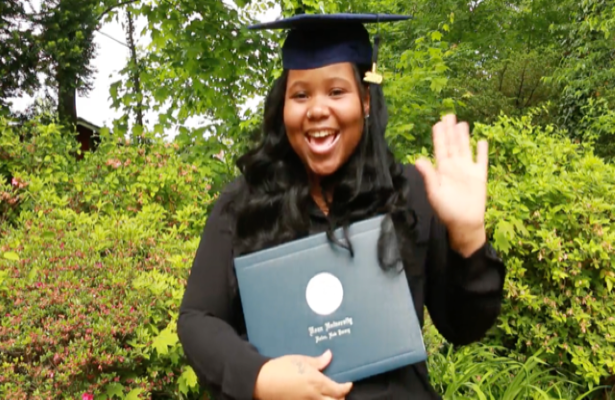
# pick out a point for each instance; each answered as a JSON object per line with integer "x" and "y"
{"x": 298, "y": 377}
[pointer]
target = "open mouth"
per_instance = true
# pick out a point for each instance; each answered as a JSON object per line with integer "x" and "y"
{"x": 322, "y": 141}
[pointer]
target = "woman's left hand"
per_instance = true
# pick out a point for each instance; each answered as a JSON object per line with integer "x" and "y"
{"x": 457, "y": 186}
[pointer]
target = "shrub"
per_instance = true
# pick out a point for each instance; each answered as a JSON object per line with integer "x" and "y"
{"x": 551, "y": 208}
{"x": 93, "y": 263}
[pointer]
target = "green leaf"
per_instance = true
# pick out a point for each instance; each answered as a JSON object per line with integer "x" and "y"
{"x": 115, "y": 389}
{"x": 436, "y": 36}
{"x": 437, "y": 84}
{"x": 134, "y": 394}
{"x": 32, "y": 274}
{"x": 165, "y": 340}
{"x": 9, "y": 255}
{"x": 504, "y": 231}
{"x": 518, "y": 224}
{"x": 187, "y": 380}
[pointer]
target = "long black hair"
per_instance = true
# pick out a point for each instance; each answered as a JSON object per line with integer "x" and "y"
{"x": 271, "y": 205}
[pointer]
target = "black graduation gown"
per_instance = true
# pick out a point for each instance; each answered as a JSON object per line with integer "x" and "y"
{"x": 463, "y": 296}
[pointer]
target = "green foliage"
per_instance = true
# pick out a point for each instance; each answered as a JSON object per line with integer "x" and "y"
{"x": 34, "y": 149}
{"x": 551, "y": 207}
{"x": 551, "y": 211}
{"x": 414, "y": 92}
{"x": 586, "y": 74}
{"x": 201, "y": 65}
{"x": 19, "y": 59}
{"x": 511, "y": 85}
{"x": 94, "y": 258}
{"x": 67, "y": 40}
{"x": 89, "y": 305}
{"x": 480, "y": 371}
{"x": 53, "y": 42}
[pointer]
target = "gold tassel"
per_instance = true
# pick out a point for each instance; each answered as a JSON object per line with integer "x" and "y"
{"x": 373, "y": 76}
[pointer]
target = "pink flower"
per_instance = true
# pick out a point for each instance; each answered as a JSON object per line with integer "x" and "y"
{"x": 87, "y": 396}
{"x": 220, "y": 155}
{"x": 14, "y": 182}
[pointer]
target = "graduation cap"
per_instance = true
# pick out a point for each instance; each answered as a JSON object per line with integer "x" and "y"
{"x": 317, "y": 40}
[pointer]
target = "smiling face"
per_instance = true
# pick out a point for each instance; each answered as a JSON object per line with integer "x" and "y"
{"x": 324, "y": 116}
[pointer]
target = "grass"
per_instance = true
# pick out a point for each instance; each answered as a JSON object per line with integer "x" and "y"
{"x": 477, "y": 372}
{"x": 483, "y": 372}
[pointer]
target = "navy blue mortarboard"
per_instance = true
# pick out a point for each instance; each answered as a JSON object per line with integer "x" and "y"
{"x": 317, "y": 40}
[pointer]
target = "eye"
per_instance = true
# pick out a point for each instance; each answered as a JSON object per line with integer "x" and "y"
{"x": 337, "y": 92}
{"x": 299, "y": 95}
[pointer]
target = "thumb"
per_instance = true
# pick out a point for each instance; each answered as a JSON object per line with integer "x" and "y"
{"x": 336, "y": 390}
{"x": 321, "y": 361}
{"x": 429, "y": 174}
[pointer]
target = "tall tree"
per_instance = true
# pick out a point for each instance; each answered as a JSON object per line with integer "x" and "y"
{"x": 68, "y": 28}
{"x": 201, "y": 68}
{"x": 55, "y": 41}
{"x": 18, "y": 52}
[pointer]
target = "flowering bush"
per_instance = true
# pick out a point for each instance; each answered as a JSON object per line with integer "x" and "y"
{"x": 93, "y": 260}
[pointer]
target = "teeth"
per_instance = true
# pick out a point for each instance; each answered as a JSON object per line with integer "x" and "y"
{"x": 320, "y": 134}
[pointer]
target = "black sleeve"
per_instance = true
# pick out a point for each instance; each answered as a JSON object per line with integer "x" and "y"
{"x": 463, "y": 295}
{"x": 216, "y": 352}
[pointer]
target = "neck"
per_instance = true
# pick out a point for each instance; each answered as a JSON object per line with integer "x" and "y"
{"x": 317, "y": 194}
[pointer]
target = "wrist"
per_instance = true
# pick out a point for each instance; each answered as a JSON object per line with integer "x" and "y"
{"x": 260, "y": 384}
{"x": 466, "y": 241}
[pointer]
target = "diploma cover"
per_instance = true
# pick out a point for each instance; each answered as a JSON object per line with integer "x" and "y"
{"x": 310, "y": 295}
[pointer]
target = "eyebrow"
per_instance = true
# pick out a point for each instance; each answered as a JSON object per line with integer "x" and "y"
{"x": 297, "y": 83}
{"x": 328, "y": 80}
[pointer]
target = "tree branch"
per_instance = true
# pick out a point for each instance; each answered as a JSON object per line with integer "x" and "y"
{"x": 532, "y": 94}
{"x": 111, "y": 8}
{"x": 502, "y": 76}
{"x": 518, "y": 100}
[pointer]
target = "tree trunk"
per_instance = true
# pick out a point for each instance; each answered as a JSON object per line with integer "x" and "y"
{"x": 67, "y": 101}
{"x": 136, "y": 70}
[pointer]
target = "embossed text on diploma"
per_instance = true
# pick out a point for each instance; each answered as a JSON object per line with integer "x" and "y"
{"x": 331, "y": 329}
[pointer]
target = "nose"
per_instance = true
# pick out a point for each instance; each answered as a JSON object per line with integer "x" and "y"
{"x": 318, "y": 112}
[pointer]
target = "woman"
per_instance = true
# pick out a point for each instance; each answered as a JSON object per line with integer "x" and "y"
{"x": 324, "y": 163}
